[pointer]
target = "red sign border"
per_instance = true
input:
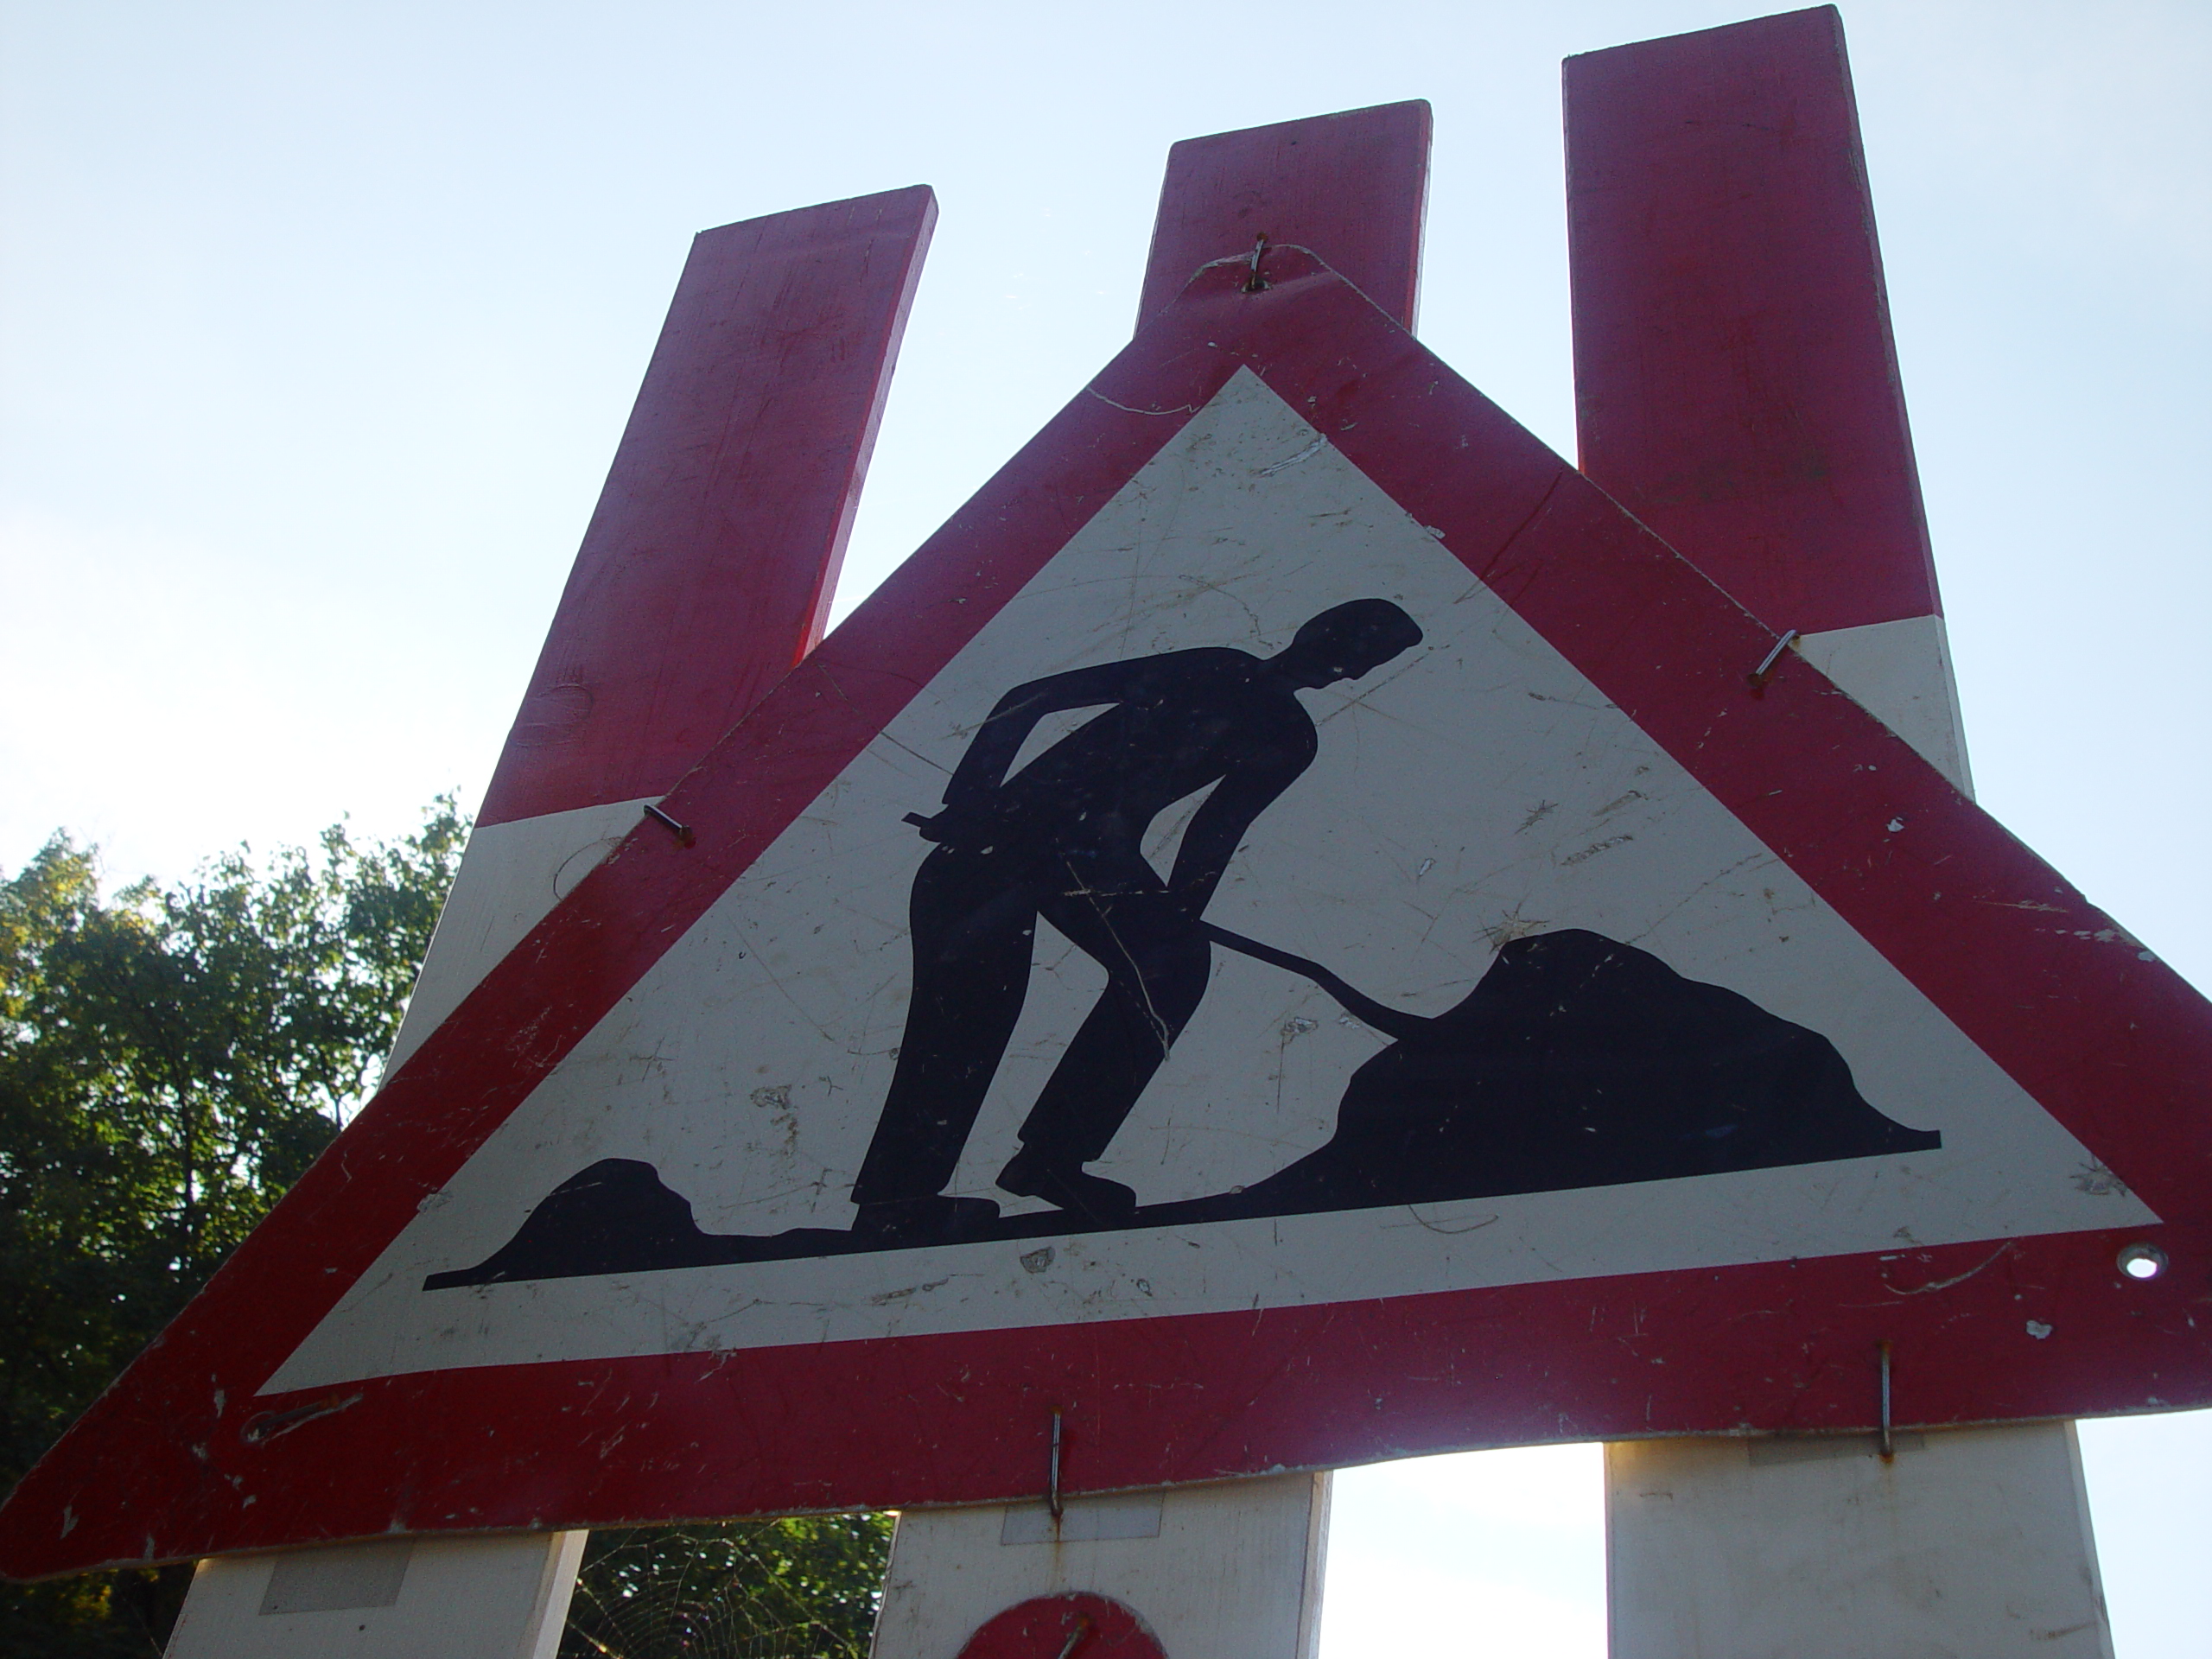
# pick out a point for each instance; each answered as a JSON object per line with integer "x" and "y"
{"x": 2111, "y": 1041}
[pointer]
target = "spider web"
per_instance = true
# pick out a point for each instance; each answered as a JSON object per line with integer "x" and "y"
{"x": 802, "y": 1588}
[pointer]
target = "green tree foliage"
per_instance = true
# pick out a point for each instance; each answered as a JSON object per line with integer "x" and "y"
{"x": 171, "y": 1059}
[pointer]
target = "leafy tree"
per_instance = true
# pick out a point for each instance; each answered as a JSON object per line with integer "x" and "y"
{"x": 171, "y": 1059}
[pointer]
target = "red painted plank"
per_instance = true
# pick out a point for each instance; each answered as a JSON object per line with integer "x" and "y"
{"x": 708, "y": 568}
{"x": 2113, "y": 1043}
{"x": 1352, "y": 188}
{"x": 1735, "y": 377}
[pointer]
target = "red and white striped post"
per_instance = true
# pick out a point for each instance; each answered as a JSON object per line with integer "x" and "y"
{"x": 1737, "y": 389}
{"x": 1233, "y": 1571}
{"x": 705, "y": 575}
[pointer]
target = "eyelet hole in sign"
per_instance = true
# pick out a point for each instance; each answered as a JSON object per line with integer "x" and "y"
{"x": 1073, "y": 1626}
{"x": 2143, "y": 1260}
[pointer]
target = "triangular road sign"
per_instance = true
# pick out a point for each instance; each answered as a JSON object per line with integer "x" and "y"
{"x": 1509, "y": 1001}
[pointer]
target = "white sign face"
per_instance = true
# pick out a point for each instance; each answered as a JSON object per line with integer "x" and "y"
{"x": 1469, "y": 984}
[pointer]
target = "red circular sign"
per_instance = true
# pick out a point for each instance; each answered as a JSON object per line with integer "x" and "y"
{"x": 1072, "y": 1626}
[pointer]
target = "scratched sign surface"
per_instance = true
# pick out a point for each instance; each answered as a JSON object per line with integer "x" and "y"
{"x": 1288, "y": 933}
{"x": 1438, "y": 973}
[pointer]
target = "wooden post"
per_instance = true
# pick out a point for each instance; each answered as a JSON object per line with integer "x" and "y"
{"x": 1351, "y": 186}
{"x": 1230, "y": 1571}
{"x": 496, "y": 1598}
{"x": 705, "y": 575}
{"x": 1737, "y": 388}
{"x": 1968, "y": 1541}
{"x": 707, "y": 568}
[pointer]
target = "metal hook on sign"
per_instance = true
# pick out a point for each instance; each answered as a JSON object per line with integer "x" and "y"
{"x": 1254, "y": 282}
{"x": 1075, "y": 1638}
{"x": 1053, "y": 1487}
{"x": 1765, "y": 671}
{"x": 684, "y": 836}
{"x": 1889, "y": 1441}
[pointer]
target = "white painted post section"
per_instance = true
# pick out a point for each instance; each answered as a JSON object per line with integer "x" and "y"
{"x": 511, "y": 875}
{"x": 1900, "y": 673}
{"x": 1970, "y": 1542}
{"x": 489, "y": 1598}
{"x": 1227, "y": 1572}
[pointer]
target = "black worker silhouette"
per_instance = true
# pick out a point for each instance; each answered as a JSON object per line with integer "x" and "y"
{"x": 1062, "y": 838}
{"x": 1576, "y": 1060}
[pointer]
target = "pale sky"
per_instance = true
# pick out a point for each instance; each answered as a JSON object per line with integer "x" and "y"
{"x": 320, "y": 323}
